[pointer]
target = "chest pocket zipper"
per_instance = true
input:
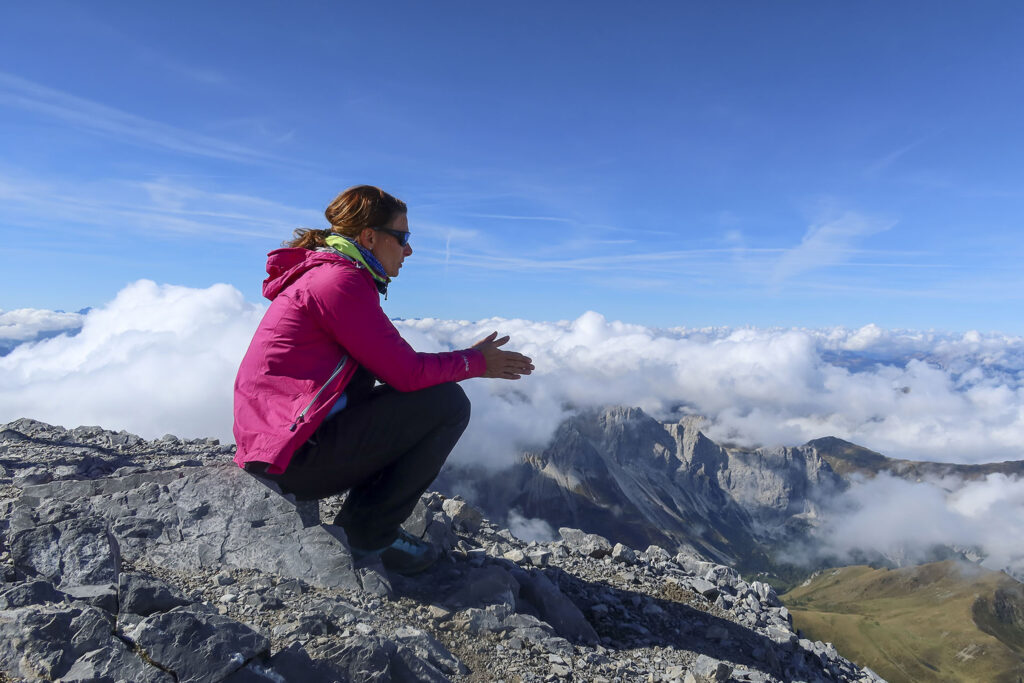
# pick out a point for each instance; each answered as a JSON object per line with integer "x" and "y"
{"x": 302, "y": 416}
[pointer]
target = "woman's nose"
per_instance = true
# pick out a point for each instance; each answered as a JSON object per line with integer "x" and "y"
{"x": 407, "y": 251}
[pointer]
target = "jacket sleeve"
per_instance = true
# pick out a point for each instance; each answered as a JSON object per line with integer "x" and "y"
{"x": 349, "y": 309}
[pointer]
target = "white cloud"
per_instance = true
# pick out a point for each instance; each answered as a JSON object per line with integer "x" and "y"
{"x": 162, "y": 359}
{"x": 24, "y": 324}
{"x": 155, "y": 360}
{"x": 530, "y": 528}
{"x": 905, "y": 394}
{"x": 905, "y": 521}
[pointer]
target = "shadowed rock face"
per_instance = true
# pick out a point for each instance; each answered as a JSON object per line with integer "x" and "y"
{"x": 124, "y": 559}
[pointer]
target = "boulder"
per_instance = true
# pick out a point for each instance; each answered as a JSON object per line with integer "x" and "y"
{"x": 553, "y": 607}
{"x": 463, "y": 515}
{"x": 589, "y": 545}
{"x": 486, "y": 586}
{"x": 710, "y": 670}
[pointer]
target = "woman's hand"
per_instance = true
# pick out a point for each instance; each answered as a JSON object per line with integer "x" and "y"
{"x": 502, "y": 364}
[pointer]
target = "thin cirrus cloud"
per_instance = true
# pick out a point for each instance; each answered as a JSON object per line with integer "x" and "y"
{"x": 152, "y": 205}
{"x": 113, "y": 123}
{"x": 826, "y": 244}
{"x": 667, "y": 261}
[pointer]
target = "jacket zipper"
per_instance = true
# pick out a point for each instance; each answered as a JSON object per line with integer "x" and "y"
{"x": 302, "y": 416}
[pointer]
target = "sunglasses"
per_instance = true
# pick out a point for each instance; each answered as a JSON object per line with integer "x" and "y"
{"x": 401, "y": 235}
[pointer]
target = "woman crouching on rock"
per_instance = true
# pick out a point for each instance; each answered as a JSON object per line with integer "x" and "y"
{"x": 308, "y": 412}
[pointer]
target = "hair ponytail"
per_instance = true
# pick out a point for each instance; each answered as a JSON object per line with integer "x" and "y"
{"x": 351, "y": 212}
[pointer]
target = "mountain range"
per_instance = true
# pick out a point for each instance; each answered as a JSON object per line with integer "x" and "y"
{"x": 621, "y": 473}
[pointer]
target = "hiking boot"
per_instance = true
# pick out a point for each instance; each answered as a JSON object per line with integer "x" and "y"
{"x": 406, "y": 555}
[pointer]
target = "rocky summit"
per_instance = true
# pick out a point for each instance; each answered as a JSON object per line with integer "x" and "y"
{"x": 124, "y": 559}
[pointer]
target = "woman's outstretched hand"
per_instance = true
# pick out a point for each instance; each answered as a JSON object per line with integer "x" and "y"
{"x": 502, "y": 364}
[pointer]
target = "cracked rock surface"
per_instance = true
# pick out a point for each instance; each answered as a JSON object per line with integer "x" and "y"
{"x": 135, "y": 560}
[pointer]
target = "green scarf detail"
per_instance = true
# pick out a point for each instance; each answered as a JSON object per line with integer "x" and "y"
{"x": 350, "y": 249}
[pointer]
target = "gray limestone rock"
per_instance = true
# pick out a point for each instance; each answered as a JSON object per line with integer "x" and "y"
{"x": 374, "y": 579}
{"x": 35, "y": 592}
{"x": 143, "y": 594}
{"x": 555, "y": 608}
{"x": 407, "y": 666}
{"x": 43, "y": 641}
{"x": 706, "y": 588}
{"x": 292, "y": 663}
{"x": 486, "y": 586}
{"x": 655, "y": 553}
{"x": 72, "y": 552}
{"x": 623, "y": 554}
{"x": 197, "y": 646}
{"x": 590, "y": 545}
{"x": 361, "y": 658}
{"x": 217, "y": 516}
{"x": 113, "y": 663}
{"x": 540, "y": 557}
{"x": 464, "y": 516}
{"x": 710, "y": 670}
{"x": 429, "y": 649}
{"x": 432, "y": 525}
{"x": 475, "y": 620}
{"x": 103, "y": 596}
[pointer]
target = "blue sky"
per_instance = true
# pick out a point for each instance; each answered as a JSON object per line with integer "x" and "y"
{"x": 770, "y": 164}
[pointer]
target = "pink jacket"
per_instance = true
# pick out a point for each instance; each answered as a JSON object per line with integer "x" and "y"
{"x": 324, "y": 320}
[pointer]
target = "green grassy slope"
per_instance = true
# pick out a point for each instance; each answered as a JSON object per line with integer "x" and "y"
{"x": 943, "y": 621}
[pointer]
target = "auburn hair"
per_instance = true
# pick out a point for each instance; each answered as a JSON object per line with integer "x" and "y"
{"x": 351, "y": 212}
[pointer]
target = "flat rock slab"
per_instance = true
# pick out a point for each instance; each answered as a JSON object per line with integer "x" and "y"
{"x": 199, "y": 647}
{"x": 143, "y": 594}
{"x": 72, "y": 552}
{"x": 113, "y": 663}
{"x": 44, "y": 641}
{"x": 26, "y": 593}
{"x": 215, "y": 516}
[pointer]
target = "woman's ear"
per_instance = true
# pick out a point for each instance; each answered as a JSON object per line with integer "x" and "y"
{"x": 367, "y": 237}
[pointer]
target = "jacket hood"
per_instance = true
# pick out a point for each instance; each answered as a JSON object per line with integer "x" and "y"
{"x": 284, "y": 266}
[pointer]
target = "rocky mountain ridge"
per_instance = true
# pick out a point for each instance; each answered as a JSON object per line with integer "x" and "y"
{"x": 126, "y": 559}
{"x": 847, "y": 458}
{"x": 621, "y": 473}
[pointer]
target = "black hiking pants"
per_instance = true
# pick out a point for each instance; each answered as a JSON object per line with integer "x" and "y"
{"x": 385, "y": 450}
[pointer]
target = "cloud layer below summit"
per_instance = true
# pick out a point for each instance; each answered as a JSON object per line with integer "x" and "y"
{"x": 161, "y": 358}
